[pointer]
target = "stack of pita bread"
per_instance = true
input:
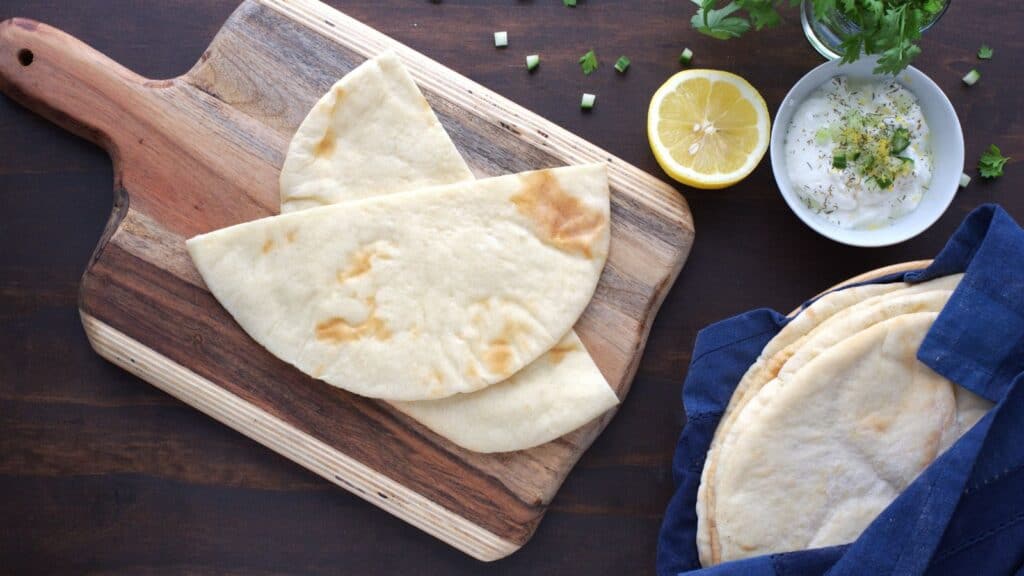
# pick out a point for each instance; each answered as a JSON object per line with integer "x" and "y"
{"x": 833, "y": 420}
{"x": 393, "y": 274}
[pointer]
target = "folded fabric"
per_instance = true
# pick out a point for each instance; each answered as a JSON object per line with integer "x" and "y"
{"x": 965, "y": 513}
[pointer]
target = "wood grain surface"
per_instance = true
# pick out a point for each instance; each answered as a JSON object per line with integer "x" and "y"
{"x": 203, "y": 150}
{"x": 101, "y": 473}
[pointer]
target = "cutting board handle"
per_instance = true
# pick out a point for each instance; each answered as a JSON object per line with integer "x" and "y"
{"x": 63, "y": 79}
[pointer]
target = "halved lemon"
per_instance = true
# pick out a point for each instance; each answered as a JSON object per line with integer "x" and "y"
{"x": 708, "y": 128}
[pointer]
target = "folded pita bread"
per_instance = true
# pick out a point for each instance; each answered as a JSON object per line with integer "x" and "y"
{"x": 550, "y": 397}
{"x": 827, "y": 321}
{"x": 418, "y": 295}
{"x": 816, "y": 458}
{"x": 387, "y": 140}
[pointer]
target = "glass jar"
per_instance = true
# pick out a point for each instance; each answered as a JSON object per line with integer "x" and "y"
{"x": 826, "y": 34}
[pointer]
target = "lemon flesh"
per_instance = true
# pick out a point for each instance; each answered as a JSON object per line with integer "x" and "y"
{"x": 708, "y": 128}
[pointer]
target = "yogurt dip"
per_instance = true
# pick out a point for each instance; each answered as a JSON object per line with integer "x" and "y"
{"x": 858, "y": 153}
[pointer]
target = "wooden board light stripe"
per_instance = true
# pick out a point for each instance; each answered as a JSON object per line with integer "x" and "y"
{"x": 291, "y": 443}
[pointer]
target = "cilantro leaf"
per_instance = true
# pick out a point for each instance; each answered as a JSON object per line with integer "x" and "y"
{"x": 719, "y": 23}
{"x": 588, "y": 62}
{"x": 873, "y": 8}
{"x": 896, "y": 58}
{"x": 991, "y": 163}
{"x": 570, "y": 3}
{"x": 890, "y": 29}
{"x": 893, "y": 36}
{"x": 985, "y": 52}
{"x": 852, "y": 46}
{"x": 823, "y": 7}
{"x": 762, "y": 13}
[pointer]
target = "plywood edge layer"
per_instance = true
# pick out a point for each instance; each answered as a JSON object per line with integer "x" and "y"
{"x": 301, "y": 448}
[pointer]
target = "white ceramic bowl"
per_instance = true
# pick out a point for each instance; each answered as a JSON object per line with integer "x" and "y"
{"x": 947, "y": 144}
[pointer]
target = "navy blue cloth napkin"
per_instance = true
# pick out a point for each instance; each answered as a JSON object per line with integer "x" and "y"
{"x": 965, "y": 513}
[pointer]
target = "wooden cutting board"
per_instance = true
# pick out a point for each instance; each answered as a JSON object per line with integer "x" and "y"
{"x": 203, "y": 151}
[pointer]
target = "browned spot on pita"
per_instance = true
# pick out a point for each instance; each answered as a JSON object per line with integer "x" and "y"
{"x": 325, "y": 146}
{"x": 318, "y": 371}
{"x": 513, "y": 331}
{"x": 339, "y": 330}
{"x": 877, "y": 422}
{"x": 776, "y": 362}
{"x": 290, "y": 236}
{"x": 498, "y": 357}
{"x": 557, "y": 354}
{"x": 500, "y": 352}
{"x": 268, "y": 246}
{"x": 471, "y": 372}
{"x": 437, "y": 375}
{"x": 560, "y": 218}
{"x": 362, "y": 262}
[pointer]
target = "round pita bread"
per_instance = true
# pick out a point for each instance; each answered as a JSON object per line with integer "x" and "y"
{"x": 790, "y": 483}
{"x": 758, "y": 374}
{"x": 827, "y": 321}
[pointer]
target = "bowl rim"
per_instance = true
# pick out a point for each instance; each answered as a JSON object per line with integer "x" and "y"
{"x": 917, "y": 82}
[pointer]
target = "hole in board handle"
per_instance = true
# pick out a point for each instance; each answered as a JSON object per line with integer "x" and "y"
{"x": 25, "y": 56}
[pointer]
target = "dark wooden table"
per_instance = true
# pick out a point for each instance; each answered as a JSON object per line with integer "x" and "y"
{"x": 102, "y": 473}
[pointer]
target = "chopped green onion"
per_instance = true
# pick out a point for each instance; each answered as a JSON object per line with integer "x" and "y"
{"x": 570, "y": 3}
{"x": 500, "y": 39}
{"x": 839, "y": 161}
{"x": 972, "y": 77}
{"x": 899, "y": 141}
{"x": 985, "y": 52}
{"x": 686, "y": 57}
{"x": 532, "y": 61}
{"x": 621, "y": 64}
{"x": 964, "y": 180}
{"x": 588, "y": 101}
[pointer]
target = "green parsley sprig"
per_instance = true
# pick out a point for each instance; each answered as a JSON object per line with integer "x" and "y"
{"x": 991, "y": 163}
{"x": 888, "y": 28}
{"x": 588, "y": 62}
